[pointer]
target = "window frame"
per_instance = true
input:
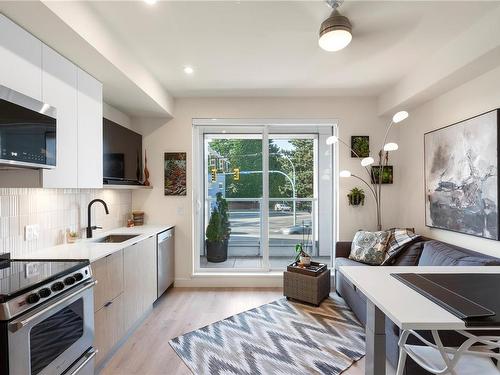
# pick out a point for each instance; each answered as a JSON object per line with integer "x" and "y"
{"x": 262, "y": 129}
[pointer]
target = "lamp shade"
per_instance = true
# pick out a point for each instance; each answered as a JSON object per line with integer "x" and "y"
{"x": 331, "y": 140}
{"x": 400, "y": 116}
{"x": 345, "y": 174}
{"x": 391, "y": 146}
{"x": 335, "y": 32}
{"x": 367, "y": 161}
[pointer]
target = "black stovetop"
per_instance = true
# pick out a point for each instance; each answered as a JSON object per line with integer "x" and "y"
{"x": 18, "y": 276}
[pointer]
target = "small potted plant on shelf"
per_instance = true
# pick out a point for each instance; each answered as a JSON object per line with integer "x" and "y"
{"x": 302, "y": 258}
{"x": 218, "y": 231}
{"x": 356, "y": 197}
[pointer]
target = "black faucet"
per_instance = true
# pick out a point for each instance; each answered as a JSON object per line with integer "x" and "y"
{"x": 89, "y": 225}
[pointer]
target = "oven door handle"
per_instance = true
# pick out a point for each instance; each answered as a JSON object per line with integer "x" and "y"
{"x": 16, "y": 325}
{"x": 88, "y": 357}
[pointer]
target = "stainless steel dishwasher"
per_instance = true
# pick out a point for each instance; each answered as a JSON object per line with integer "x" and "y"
{"x": 165, "y": 260}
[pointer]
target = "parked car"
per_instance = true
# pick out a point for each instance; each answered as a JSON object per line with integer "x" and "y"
{"x": 282, "y": 207}
{"x": 298, "y": 229}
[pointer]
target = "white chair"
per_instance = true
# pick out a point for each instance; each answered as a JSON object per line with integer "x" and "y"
{"x": 438, "y": 359}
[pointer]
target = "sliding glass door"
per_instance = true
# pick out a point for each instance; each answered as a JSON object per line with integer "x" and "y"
{"x": 234, "y": 171}
{"x": 264, "y": 182}
{"x": 293, "y": 196}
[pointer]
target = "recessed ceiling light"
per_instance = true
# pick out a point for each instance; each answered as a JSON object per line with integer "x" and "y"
{"x": 188, "y": 70}
{"x": 151, "y": 2}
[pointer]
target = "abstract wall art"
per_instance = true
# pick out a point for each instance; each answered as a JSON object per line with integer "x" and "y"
{"x": 175, "y": 173}
{"x": 461, "y": 176}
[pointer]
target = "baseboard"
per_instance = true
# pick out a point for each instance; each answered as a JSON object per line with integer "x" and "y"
{"x": 243, "y": 280}
{"x": 231, "y": 280}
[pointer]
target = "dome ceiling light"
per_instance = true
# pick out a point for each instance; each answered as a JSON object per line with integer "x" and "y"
{"x": 335, "y": 31}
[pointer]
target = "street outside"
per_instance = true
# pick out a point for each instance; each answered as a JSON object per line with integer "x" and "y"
{"x": 245, "y": 228}
{"x": 244, "y": 243}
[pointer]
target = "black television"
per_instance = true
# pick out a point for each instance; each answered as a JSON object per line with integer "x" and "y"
{"x": 122, "y": 155}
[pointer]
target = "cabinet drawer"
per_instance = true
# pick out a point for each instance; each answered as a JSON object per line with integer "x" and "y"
{"x": 108, "y": 272}
{"x": 115, "y": 274}
{"x": 99, "y": 272}
{"x": 109, "y": 327}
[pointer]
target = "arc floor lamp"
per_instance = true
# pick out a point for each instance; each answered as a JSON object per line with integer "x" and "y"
{"x": 375, "y": 186}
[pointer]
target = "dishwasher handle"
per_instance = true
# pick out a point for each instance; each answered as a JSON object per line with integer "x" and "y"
{"x": 165, "y": 235}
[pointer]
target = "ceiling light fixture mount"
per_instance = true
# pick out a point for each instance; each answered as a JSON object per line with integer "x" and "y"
{"x": 335, "y": 32}
{"x": 188, "y": 70}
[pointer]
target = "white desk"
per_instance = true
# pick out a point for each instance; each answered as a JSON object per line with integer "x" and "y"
{"x": 407, "y": 308}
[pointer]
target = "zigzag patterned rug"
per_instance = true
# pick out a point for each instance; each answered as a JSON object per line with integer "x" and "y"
{"x": 282, "y": 337}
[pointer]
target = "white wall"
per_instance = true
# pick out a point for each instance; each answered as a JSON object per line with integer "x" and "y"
{"x": 357, "y": 116}
{"x": 470, "y": 99}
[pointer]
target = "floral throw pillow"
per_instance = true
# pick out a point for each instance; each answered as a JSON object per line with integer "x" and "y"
{"x": 369, "y": 247}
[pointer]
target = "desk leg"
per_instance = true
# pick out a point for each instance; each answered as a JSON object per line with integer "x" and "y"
{"x": 375, "y": 340}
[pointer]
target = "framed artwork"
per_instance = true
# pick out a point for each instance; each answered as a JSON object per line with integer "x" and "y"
{"x": 361, "y": 145}
{"x": 175, "y": 173}
{"x": 387, "y": 174}
{"x": 461, "y": 176}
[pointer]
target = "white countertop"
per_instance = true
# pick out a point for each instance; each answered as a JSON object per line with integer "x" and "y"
{"x": 91, "y": 250}
{"x": 407, "y": 308}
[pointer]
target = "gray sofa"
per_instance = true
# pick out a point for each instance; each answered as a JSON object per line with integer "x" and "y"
{"x": 421, "y": 252}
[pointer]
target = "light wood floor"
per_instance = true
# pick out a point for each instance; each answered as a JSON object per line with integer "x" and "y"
{"x": 179, "y": 311}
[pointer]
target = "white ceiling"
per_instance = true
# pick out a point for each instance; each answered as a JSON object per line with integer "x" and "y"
{"x": 259, "y": 48}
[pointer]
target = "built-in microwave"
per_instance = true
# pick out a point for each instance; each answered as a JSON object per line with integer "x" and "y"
{"x": 27, "y": 131}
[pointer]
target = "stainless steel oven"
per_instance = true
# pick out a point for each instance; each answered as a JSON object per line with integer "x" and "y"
{"x": 52, "y": 338}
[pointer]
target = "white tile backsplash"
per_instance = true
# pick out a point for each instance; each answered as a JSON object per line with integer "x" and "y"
{"x": 55, "y": 211}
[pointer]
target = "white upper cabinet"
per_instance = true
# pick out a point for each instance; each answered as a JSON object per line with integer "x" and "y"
{"x": 20, "y": 59}
{"x": 36, "y": 70}
{"x": 89, "y": 131}
{"x": 59, "y": 82}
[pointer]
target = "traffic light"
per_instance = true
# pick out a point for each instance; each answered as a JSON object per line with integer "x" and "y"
{"x": 213, "y": 172}
{"x": 236, "y": 174}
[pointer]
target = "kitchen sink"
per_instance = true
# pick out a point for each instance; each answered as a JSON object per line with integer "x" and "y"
{"x": 115, "y": 238}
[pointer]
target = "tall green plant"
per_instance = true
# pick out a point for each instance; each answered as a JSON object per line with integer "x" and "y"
{"x": 218, "y": 229}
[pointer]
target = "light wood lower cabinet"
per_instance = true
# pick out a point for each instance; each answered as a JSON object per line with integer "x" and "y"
{"x": 109, "y": 327}
{"x": 139, "y": 264}
{"x": 108, "y": 303}
{"x": 132, "y": 266}
{"x": 99, "y": 272}
{"x": 108, "y": 272}
{"x": 125, "y": 290}
{"x": 150, "y": 271}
